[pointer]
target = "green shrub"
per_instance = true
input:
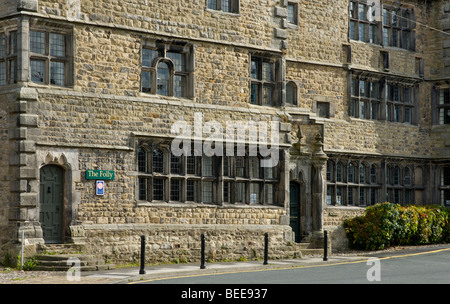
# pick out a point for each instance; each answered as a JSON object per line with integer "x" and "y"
{"x": 384, "y": 225}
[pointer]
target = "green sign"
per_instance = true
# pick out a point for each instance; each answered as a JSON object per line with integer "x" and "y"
{"x": 100, "y": 174}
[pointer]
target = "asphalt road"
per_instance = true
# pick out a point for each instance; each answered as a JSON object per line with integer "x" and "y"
{"x": 417, "y": 266}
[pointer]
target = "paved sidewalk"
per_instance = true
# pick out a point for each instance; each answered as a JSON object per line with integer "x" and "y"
{"x": 158, "y": 272}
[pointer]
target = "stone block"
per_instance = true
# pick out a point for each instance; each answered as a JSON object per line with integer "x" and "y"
{"x": 28, "y": 200}
{"x": 27, "y": 146}
{"x": 281, "y": 33}
{"x": 281, "y": 12}
{"x": 27, "y": 5}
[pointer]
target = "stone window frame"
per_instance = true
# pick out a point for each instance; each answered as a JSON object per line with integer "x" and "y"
{"x": 48, "y": 58}
{"x": 259, "y": 82}
{"x": 387, "y": 104}
{"x": 292, "y": 97}
{"x": 231, "y": 7}
{"x": 8, "y": 57}
{"x": 399, "y": 187}
{"x": 377, "y": 184}
{"x": 400, "y": 106}
{"x": 441, "y": 104}
{"x": 219, "y": 183}
{"x": 292, "y": 18}
{"x": 360, "y": 21}
{"x": 403, "y": 25}
{"x": 444, "y": 185}
{"x": 365, "y": 97}
{"x": 358, "y": 191}
{"x": 162, "y": 49}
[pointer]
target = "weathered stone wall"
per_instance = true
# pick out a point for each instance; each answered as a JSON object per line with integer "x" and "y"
{"x": 111, "y": 212}
{"x": 182, "y": 243}
{"x": 334, "y": 218}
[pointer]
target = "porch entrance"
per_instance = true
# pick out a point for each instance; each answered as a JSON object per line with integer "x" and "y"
{"x": 294, "y": 190}
{"x": 51, "y": 203}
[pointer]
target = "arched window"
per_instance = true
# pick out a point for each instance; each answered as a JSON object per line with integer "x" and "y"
{"x": 362, "y": 174}
{"x": 291, "y": 93}
{"x": 158, "y": 161}
{"x": 340, "y": 172}
{"x": 407, "y": 176}
{"x": 351, "y": 173}
{"x": 142, "y": 160}
{"x": 373, "y": 174}
{"x": 163, "y": 77}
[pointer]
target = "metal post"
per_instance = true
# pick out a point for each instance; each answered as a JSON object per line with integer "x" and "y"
{"x": 266, "y": 248}
{"x": 141, "y": 270}
{"x": 202, "y": 265}
{"x": 325, "y": 246}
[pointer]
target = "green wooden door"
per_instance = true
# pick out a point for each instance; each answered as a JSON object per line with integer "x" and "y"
{"x": 294, "y": 190}
{"x": 51, "y": 203}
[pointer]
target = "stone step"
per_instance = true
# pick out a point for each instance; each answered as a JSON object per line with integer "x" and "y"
{"x": 62, "y": 257}
{"x": 63, "y": 262}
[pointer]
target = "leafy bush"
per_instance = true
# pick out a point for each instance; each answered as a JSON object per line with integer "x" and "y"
{"x": 384, "y": 225}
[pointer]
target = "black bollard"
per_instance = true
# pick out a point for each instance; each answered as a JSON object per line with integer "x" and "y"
{"x": 141, "y": 270}
{"x": 202, "y": 265}
{"x": 325, "y": 246}
{"x": 266, "y": 248}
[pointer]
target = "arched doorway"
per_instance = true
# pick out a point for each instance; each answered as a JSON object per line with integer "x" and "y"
{"x": 294, "y": 190}
{"x": 51, "y": 197}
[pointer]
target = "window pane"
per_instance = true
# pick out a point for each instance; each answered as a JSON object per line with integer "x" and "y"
{"x": 254, "y": 193}
{"x": 207, "y": 166}
{"x": 191, "y": 164}
{"x": 158, "y": 161}
{"x": 268, "y": 194}
{"x": 267, "y": 71}
{"x": 175, "y": 164}
{"x": 146, "y": 82}
{"x": 254, "y": 69}
{"x": 352, "y": 30}
{"x": 212, "y": 4}
{"x": 267, "y": 95}
{"x": 142, "y": 189}
{"x": 13, "y": 42}
{"x": 158, "y": 189}
{"x": 444, "y": 96}
{"x": 175, "y": 190}
{"x": 291, "y": 13}
{"x": 240, "y": 166}
{"x": 57, "y": 45}
{"x": 290, "y": 93}
{"x": 178, "y": 60}
{"x": 142, "y": 160}
{"x": 254, "y": 97}
{"x": 2, "y": 73}
{"x": 191, "y": 190}
{"x": 226, "y": 5}
{"x": 13, "y": 71}
{"x": 37, "y": 70}
{"x": 240, "y": 193}
{"x": 362, "y": 32}
{"x": 444, "y": 116}
{"x": 180, "y": 84}
{"x": 207, "y": 194}
{"x": 254, "y": 167}
{"x": 147, "y": 57}
{"x": 163, "y": 79}
{"x": 2, "y": 45}
{"x": 37, "y": 42}
{"x": 57, "y": 73}
{"x": 361, "y": 12}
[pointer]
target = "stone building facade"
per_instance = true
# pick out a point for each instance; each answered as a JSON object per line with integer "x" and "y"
{"x": 349, "y": 99}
